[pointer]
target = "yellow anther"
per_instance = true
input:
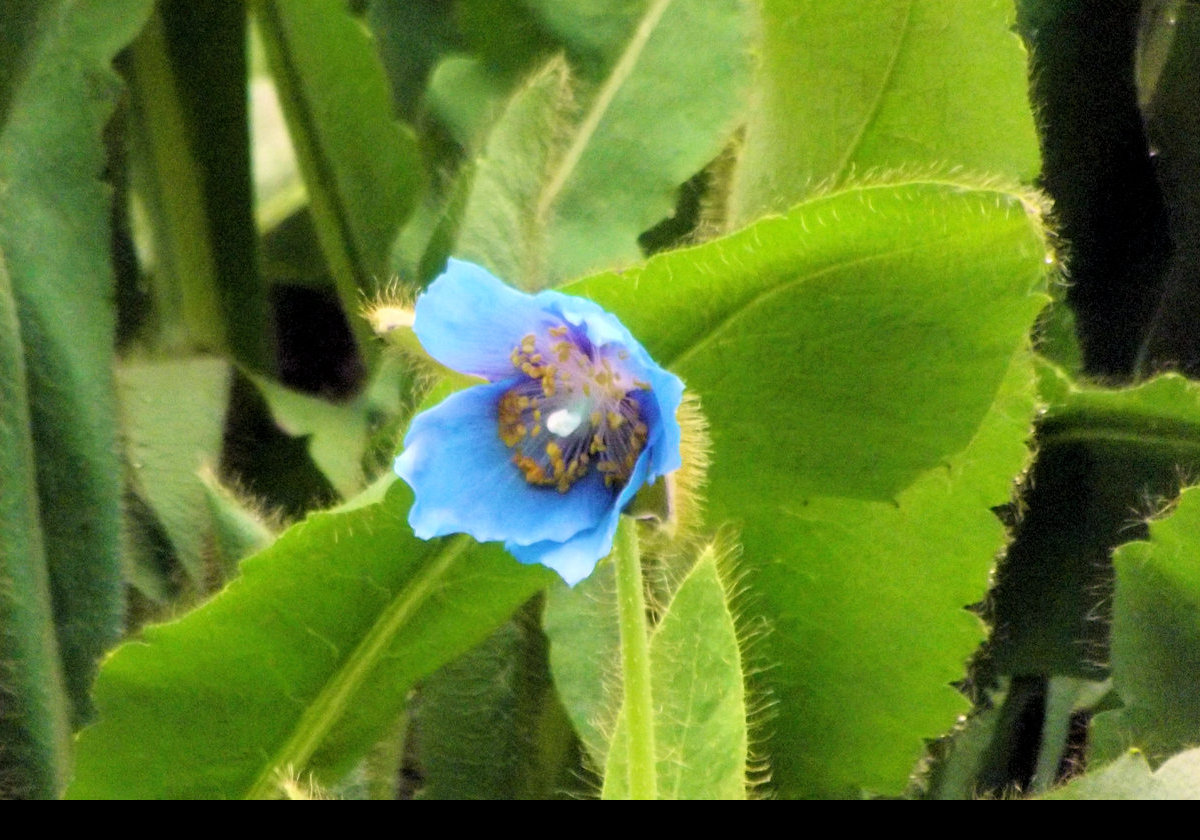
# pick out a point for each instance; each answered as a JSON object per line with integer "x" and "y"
{"x": 615, "y": 420}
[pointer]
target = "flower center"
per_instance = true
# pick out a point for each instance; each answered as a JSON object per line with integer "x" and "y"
{"x": 573, "y": 411}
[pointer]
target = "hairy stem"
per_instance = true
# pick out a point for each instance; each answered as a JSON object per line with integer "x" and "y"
{"x": 635, "y": 662}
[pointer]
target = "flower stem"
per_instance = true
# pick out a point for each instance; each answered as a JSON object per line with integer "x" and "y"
{"x": 635, "y": 662}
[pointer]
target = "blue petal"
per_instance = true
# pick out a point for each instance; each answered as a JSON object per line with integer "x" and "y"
{"x": 659, "y": 407}
{"x": 464, "y": 480}
{"x": 470, "y": 321}
{"x": 577, "y": 557}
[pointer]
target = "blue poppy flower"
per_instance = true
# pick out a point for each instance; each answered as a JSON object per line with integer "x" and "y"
{"x": 574, "y": 418}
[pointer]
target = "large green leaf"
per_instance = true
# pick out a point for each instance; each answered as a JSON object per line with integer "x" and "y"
{"x": 360, "y": 165}
{"x": 54, "y": 234}
{"x": 301, "y": 663}
{"x": 1155, "y": 648}
{"x": 863, "y": 363}
{"x": 35, "y": 725}
{"x": 698, "y": 688}
{"x": 853, "y": 88}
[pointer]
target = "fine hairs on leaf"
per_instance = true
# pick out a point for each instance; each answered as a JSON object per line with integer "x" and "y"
{"x": 751, "y": 627}
{"x": 294, "y": 786}
{"x": 723, "y": 552}
{"x": 679, "y": 538}
{"x": 505, "y": 220}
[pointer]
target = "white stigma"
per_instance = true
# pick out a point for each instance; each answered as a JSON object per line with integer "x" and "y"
{"x": 563, "y": 421}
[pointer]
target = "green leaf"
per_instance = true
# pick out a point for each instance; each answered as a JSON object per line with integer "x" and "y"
{"x": 55, "y": 235}
{"x": 339, "y": 434}
{"x": 576, "y": 198}
{"x": 238, "y": 529}
{"x": 303, "y": 662}
{"x": 634, "y": 145}
{"x": 174, "y": 414}
{"x": 1155, "y": 649}
{"x": 360, "y": 165}
{"x": 1130, "y": 777}
{"x": 864, "y": 364}
{"x": 35, "y": 726}
{"x": 465, "y": 94}
{"x": 699, "y": 696}
{"x": 190, "y": 170}
{"x": 20, "y": 27}
{"x": 581, "y": 623}
{"x": 489, "y": 725}
{"x": 1105, "y": 455}
{"x": 500, "y": 228}
{"x": 411, "y": 35}
{"x": 856, "y": 88}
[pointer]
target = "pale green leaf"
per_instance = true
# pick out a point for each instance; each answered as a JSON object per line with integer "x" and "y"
{"x": 576, "y": 169}
{"x": 1155, "y": 647}
{"x": 700, "y": 712}
{"x": 855, "y": 88}
{"x": 340, "y": 434}
{"x": 1130, "y": 777}
{"x": 500, "y": 228}
{"x": 581, "y": 623}
{"x": 174, "y": 417}
{"x": 238, "y": 529}
{"x": 489, "y": 726}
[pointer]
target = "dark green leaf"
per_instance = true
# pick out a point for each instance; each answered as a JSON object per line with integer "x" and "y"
{"x": 35, "y": 724}
{"x": 54, "y": 233}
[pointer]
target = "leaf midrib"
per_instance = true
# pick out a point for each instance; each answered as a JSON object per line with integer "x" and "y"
{"x": 331, "y": 702}
{"x": 600, "y": 104}
{"x": 872, "y": 115}
{"x": 735, "y": 312}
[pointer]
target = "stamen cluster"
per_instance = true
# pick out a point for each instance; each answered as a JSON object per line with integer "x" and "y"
{"x": 573, "y": 409}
